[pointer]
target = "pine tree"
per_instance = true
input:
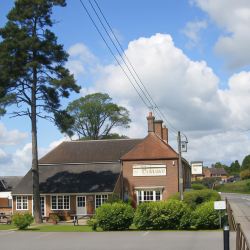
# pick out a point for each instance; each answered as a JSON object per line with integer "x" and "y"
{"x": 32, "y": 72}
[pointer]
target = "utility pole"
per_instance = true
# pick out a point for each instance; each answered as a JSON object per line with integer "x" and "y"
{"x": 180, "y": 167}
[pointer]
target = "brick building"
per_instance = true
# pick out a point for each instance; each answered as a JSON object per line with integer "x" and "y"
{"x": 7, "y": 183}
{"x": 78, "y": 176}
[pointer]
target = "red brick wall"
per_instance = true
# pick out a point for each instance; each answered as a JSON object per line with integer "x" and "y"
{"x": 169, "y": 182}
{"x": 23, "y": 211}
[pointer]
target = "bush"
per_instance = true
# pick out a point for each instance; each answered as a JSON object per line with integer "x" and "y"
{"x": 162, "y": 215}
{"x": 22, "y": 220}
{"x": 245, "y": 174}
{"x": 115, "y": 216}
{"x": 93, "y": 223}
{"x": 205, "y": 217}
{"x": 113, "y": 198}
{"x": 197, "y": 197}
{"x": 197, "y": 186}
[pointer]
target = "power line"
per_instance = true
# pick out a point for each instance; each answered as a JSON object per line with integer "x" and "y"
{"x": 113, "y": 53}
{"x": 145, "y": 91}
{"x": 149, "y": 102}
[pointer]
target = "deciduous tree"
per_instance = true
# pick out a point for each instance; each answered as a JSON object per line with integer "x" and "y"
{"x": 94, "y": 116}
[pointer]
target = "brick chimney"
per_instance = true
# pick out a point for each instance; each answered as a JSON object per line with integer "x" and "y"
{"x": 158, "y": 128}
{"x": 165, "y": 133}
{"x": 151, "y": 125}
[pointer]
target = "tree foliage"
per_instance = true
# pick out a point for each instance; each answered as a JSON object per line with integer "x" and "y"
{"x": 94, "y": 116}
{"x": 246, "y": 163}
{"x": 32, "y": 69}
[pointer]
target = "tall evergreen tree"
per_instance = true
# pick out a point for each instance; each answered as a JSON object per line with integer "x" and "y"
{"x": 32, "y": 72}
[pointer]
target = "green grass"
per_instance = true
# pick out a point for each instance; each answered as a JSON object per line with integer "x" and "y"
{"x": 6, "y": 227}
{"x": 235, "y": 187}
{"x": 60, "y": 228}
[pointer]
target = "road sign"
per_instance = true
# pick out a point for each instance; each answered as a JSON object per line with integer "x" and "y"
{"x": 219, "y": 205}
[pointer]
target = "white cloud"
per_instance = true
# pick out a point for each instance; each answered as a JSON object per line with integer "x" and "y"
{"x": 192, "y": 30}
{"x": 75, "y": 67}
{"x": 12, "y": 137}
{"x": 222, "y": 146}
{"x": 234, "y": 18}
{"x": 19, "y": 162}
{"x": 187, "y": 92}
{"x": 81, "y": 51}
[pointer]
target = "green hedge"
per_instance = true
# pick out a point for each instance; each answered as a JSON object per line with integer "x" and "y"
{"x": 197, "y": 197}
{"x": 198, "y": 186}
{"x": 22, "y": 220}
{"x": 205, "y": 217}
{"x": 172, "y": 214}
{"x": 114, "y": 216}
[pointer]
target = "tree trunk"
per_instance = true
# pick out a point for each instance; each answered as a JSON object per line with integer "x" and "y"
{"x": 35, "y": 170}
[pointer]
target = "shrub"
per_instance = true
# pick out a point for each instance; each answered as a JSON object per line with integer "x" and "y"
{"x": 22, "y": 220}
{"x": 54, "y": 218}
{"x": 197, "y": 197}
{"x": 245, "y": 174}
{"x": 205, "y": 217}
{"x": 93, "y": 223}
{"x": 115, "y": 216}
{"x": 162, "y": 215}
{"x": 113, "y": 198}
{"x": 197, "y": 186}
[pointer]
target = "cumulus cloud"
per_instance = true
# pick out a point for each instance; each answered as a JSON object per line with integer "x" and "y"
{"x": 12, "y": 137}
{"x": 192, "y": 31}
{"x": 234, "y": 18}
{"x": 19, "y": 162}
{"x": 80, "y": 59}
{"x": 221, "y": 146}
{"x": 186, "y": 91}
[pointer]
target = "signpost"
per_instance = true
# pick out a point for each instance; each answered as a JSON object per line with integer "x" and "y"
{"x": 196, "y": 167}
{"x": 220, "y": 205}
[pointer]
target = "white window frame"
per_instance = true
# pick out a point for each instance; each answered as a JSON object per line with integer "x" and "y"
{"x": 22, "y": 202}
{"x": 57, "y": 195}
{"x": 142, "y": 195}
{"x": 101, "y": 199}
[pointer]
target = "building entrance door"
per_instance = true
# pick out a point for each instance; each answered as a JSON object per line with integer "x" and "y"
{"x": 81, "y": 205}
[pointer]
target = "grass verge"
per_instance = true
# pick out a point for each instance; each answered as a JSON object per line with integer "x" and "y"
{"x": 59, "y": 228}
{"x": 6, "y": 227}
{"x": 242, "y": 187}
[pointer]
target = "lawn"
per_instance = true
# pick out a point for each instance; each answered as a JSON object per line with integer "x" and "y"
{"x": 6, "y": 227}
{"x": 235, "y": 187}
{"x": 59, "y": 228}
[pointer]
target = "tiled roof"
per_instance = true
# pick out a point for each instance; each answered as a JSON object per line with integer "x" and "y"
{"x": 73, "y": 178}
{"x": 89, "y": 151}
{"x": 7, "y": 183}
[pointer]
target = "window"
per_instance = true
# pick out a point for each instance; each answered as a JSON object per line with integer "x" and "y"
{"x": 100, "y": 199}
{"x": 148, "y": 195}
{"x": 22, "y": 203}
{"x": 60, "y": 202}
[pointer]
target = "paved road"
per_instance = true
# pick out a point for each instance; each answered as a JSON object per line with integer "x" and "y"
{"x": 240, "y": 204}
{"x": 112, "y": 241}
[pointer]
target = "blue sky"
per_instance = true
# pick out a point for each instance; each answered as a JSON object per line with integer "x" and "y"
{"x": 192, "y": 56}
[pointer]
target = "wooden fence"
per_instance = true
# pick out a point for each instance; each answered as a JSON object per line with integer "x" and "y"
{"x": 241, "y": 240}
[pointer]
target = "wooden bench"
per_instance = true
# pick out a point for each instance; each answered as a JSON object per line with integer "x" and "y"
{"x": 5, "y": 219}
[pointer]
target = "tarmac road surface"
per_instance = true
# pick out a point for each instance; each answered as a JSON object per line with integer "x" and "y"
{"x": 148, "y": 240}
{"x": 240, "y": 204}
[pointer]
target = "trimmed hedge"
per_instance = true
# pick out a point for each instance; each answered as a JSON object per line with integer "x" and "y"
{"x": 205, "y": 217}
{"x": 114, "y": 216}
{"x": 172, "y": 214}
{"x": 22, "y": 220}
{"x": 197, "y": 197}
